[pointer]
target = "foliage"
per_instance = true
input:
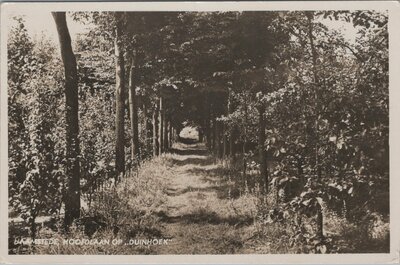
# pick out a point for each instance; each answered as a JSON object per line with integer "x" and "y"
{"x": 35, "y": 127}
{"x": 324, "y": 100}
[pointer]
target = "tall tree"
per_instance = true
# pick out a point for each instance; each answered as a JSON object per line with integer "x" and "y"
{"x": 166, "y": 131}
{"x": 156, "y": 143}
{"x": 310, "y": 18}
{"x": 72, "y": 197}
{"x": 119, "y": 97}
{"x": 261, "y": 147}
{"x": 133, "y": 110}
{"x": 161, "y": 126}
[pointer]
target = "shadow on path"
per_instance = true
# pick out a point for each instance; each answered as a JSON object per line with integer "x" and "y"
{"x": 190, "y": 151}
{"x": 204, "y": 217}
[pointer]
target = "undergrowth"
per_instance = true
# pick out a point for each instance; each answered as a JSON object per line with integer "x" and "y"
{"x": 122, "y": 212}
{"x": 237, "y": 218}
{"x": 278, "y": 230}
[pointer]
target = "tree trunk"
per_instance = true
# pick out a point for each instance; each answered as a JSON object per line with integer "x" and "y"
{"x": 155, "y": 131}
{"x": 170, "y": 134}
{"x": 225, "y": 152}
{"x": 244, "y": 147}
{"x": 33, "y": 226}
{"x": 175, "y": 136}
{"x": 231, "y": 131}
{"x": 232, "y": 142}
{"x": 213, "y": 133}
{"x": 216, "y": 145}
{"x": 133, "y": 107}
{"x": 119, "y": 100}
{"x": 244, "y": 157}
{"x": 201, "y": 134}
{"x": 310, "y": 17}
{"x": 72, "y": 198}
{"x": 220, "y": 141}
{"x": 208, "y": 133}
{"x": 161, "y": 127}
{"x": 320, "y": 222}
{"x": 261, "y": 151}
{"x": 207, "y": 121}
{"x": 166, "y": 140}
{"x": 147, "y": 127}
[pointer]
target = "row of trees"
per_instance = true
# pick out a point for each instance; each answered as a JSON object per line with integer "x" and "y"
{"x": 280, "y": 88}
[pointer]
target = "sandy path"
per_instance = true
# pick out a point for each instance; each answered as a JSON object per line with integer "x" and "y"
{"x": 199, "y": 214}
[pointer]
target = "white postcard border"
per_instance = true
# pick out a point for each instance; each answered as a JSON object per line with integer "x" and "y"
{"x": 394, "y": 133}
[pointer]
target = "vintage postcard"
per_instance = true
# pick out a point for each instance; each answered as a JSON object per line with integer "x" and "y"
{"x": 200, "y": 132}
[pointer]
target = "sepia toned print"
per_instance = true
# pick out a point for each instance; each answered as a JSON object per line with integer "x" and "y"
{"x": 208, "y": 132}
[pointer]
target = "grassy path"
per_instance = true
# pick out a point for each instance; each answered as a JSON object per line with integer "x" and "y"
{"x": 201, "y": 214}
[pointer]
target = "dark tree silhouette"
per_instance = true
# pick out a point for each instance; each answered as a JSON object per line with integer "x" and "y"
{"x": 72, "y": 196}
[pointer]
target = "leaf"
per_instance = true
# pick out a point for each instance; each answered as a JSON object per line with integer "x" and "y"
{"x": 306, "y": 202}
{"x": 350, "y": 191}
{"x": 340, "y": 144}
{"x": 283, "y": 180}
{"x": 274, "y": 180}
{"x": 322, "y": 249}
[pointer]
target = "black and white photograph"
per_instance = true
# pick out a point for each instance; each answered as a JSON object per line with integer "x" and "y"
{"x": 221, "y": 132}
